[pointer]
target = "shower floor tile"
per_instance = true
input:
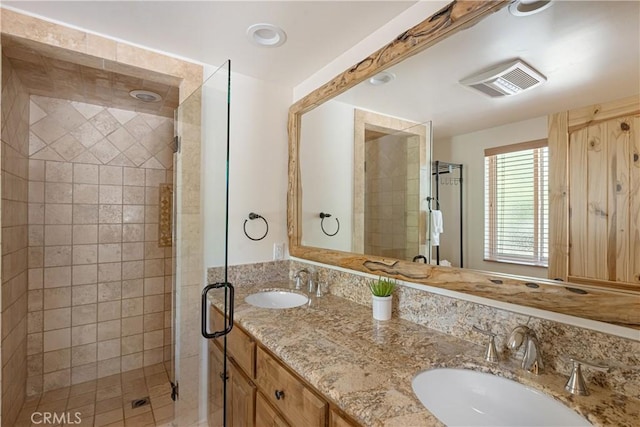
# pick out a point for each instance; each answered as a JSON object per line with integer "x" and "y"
{"x": 105, "y": 402}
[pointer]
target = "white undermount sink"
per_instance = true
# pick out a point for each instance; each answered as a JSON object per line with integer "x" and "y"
{"x": 276, "y": 299}
{"x": 462, "y": 397}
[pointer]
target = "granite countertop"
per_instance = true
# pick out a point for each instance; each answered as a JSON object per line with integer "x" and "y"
{"x": 365, "y": 366}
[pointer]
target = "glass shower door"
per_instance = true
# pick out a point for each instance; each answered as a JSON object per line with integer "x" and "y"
{"x": 203, "y": 139}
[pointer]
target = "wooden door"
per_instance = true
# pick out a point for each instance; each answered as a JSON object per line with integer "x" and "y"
{"x": 266, "y": 416}
{"x": 604, "y": 202}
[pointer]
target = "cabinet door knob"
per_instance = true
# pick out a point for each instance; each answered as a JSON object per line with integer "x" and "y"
{"x": 279, "y": 394}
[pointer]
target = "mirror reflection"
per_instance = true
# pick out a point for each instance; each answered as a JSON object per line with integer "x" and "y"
{"x": 572, "y": 55}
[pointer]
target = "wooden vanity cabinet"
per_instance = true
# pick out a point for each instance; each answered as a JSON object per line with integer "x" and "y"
{"x": 240, "y": 345}
{"x": 337, "y": 419}
{"x": 290, "y": 396}
{"x": 266, "y": 415}
{"x": 261, "y": 390}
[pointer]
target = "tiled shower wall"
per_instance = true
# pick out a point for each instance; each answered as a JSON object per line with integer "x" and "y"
{"x": 392, "y": 187}
{"x": 15, "y": 175}
{"x": 99, "y": 283}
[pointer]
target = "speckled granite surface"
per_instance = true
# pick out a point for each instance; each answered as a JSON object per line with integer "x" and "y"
{"x": 456, "y": 317}
{"x": 366, "y": 367}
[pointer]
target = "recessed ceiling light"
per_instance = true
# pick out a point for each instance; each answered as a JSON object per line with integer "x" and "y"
{"x": 266, "y": 35}
{"x": 145, "y": 95}
{"x": 528, "y": 7}
{"x": 382, "y": 78}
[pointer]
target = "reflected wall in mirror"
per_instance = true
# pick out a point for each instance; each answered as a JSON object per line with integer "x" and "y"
{"x": 588, "y": 53}
{"x": 369, "y": 171}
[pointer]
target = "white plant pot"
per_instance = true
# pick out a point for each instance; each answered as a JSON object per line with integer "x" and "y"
{"x": 381, "y": 307}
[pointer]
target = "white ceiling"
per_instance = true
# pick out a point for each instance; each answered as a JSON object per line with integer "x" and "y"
{"x": 588, "y": 50}
{"x": 213, "y": 31}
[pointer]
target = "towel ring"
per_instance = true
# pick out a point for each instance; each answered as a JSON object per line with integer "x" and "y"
{"x": 322, "y": 217}
{"x": 253, "y": 216}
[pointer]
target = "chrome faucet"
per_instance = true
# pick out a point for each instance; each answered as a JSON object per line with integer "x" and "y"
{"x": 297, "y": 277}
{"x": 525, "y": 337}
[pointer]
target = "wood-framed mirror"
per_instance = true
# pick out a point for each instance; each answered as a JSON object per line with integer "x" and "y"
{"x": 590, "y": 301}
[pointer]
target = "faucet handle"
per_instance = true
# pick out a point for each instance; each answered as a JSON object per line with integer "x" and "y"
{"x": 491, "y": 355}
{"x": 576, "y": 383}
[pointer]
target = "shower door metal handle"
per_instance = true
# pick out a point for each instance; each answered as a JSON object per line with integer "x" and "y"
{"x": 204, "y": 311}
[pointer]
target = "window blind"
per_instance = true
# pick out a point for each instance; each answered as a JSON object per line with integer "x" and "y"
{"x": 516, "y": 204}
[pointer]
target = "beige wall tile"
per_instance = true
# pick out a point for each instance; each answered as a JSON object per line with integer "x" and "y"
{"x": 85, "y": 214}
{"x": 56, "y": 192}
{"x": 153, "y": 303}
{"x": 84, "y": 274}
{"x": 131, "y": 196}
{"x": 153, "y": 321}
{"x": 55, "y": 277}
{"x": 57, "y": 235}
{"x": 85, "y": 254}
{"x": 109, "y": 291}
{"x": 81, "y": 374}
{"x": 111, "y": 175}
{"x": 56, "y": 256}
{"x": 154, "y": 286}
{"x": 133, "y": 214}
{"x": 57, "y": 339}
{"x": 83, "y": 354}
{"x": 109, "y": 349}
{"x": 58, "y": 172}
{"x": 57, "y": 214}
{"x": 132, "y": 270}
{"x": 132, "y": 307}
{"x": 132, "y": 288}
{"x": 57, "y": 360}
{"x": 110, "y": 272}
{"x": 132, "y": 251}
{"x": 109, "y": 330}
{"x": 57, "y": 319}
{"x": 109, "y": 310}
{"x": 84, "y": 294}
{"x": 85, "y": 234}
{"x": 132, "y": 344}
{"x": 153, "y": 356}
{"x": 36, "y": 278}
{"x": 108, "y": 367}
{"x": 109, "y": 252}
{"x": 110, "y": 214}
{"x": 110, "y": 233}
{"x": 84, "y": 334}
{"x": 85, "y": 193}
{"x": 85, "y": 174}
{"x": 110, "y": 194}
{"x": 57, "y": 379}
{"x": 84, "y": 314}
{"x": 131, "y": 362}
{"x": 57, "y": 298}
{"x": 131, "y": 326}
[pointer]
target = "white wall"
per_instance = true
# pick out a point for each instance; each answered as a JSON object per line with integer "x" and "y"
{"x": 326, "y": 162}
{"x": 258, "y": 172}
{"x": 468, "y": 149}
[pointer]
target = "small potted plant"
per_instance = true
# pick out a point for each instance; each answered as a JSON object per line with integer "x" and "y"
{"x": 381, "y": 290}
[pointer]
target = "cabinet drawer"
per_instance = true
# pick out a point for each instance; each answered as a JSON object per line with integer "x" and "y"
{"x": 240, "y": 346}
{"x": 266, "y": 416}
{"x": 299, "y": 405}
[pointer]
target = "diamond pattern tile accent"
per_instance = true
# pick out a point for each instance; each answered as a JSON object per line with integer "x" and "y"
{"x": 104, "y": 151}
{"x": 68, "y": 147}
{"x": 87, "y": 134}
{"x": 104, "y": 122}
{"x": 78, "y": 132}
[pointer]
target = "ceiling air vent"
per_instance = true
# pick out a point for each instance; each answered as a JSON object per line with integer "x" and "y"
{"x": 505, "y": 79}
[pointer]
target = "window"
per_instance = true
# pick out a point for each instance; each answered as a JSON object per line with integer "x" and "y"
{"x": 516, "y": 203}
